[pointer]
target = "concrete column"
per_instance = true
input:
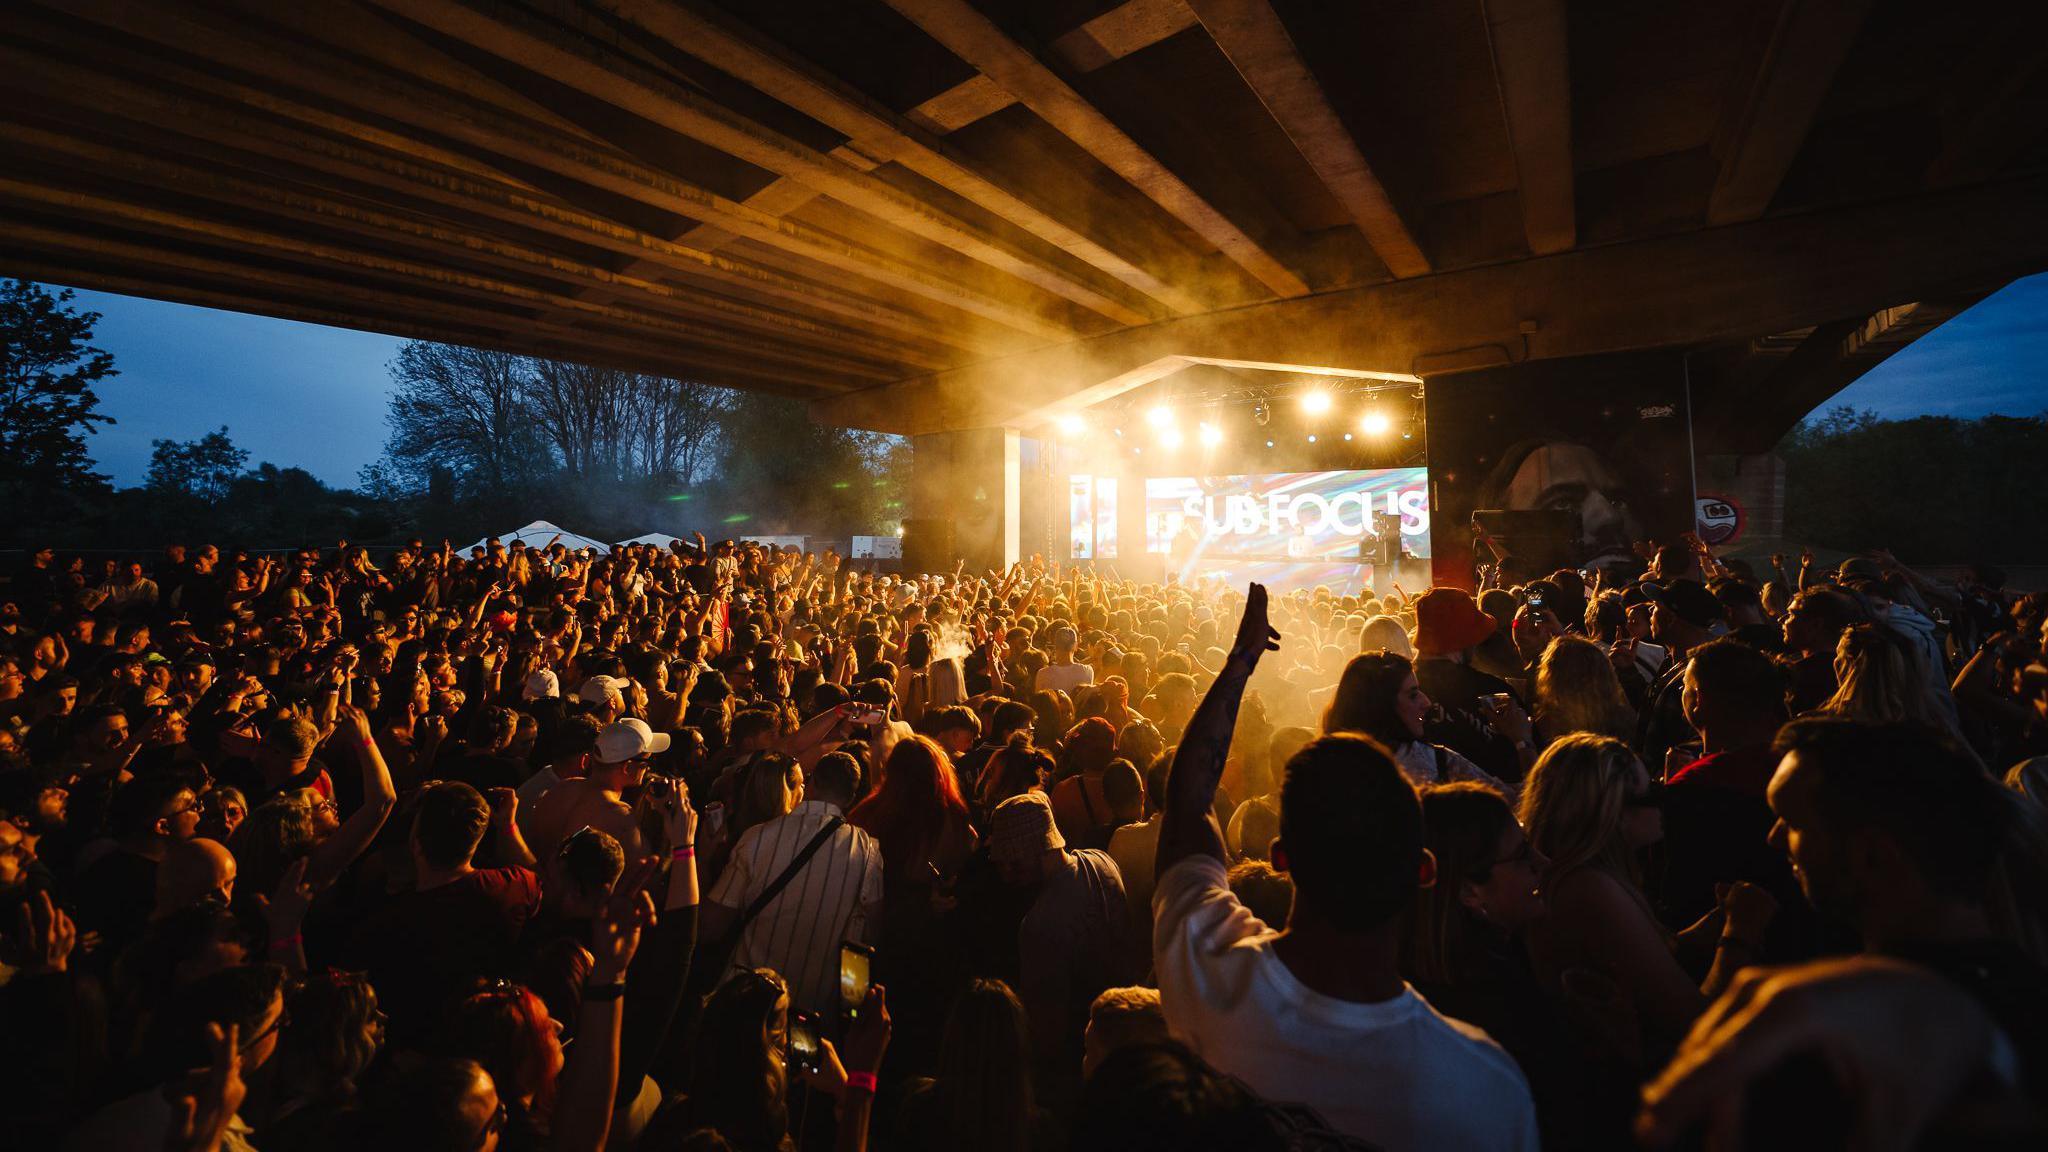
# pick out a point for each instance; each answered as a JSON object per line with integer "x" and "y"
{"x": 966, "y": 485}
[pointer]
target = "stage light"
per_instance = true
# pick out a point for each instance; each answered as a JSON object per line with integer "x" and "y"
{"x": 1311, "y": 437}
{"x": 1269, "y": 443}
{"x": 1169, "y": 437}
{"x": 1211, "y": 435}
{"x": 1375, "y": 423}
{"x": 1072, "y": 425}
{"x": 1347, "y": 436}
{"x": 1119, "y": 432}
{"x": 1159, "y": 416}
{"x": 1316, "y": 403}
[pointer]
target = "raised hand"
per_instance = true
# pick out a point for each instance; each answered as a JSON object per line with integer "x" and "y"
{"x": 616, "y": 936}
{"x": 47, "y": 935}
{"x": 1255, "y": 633}
{"x": 209, "y": 1098}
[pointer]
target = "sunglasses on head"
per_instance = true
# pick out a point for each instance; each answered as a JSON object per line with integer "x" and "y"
{"x": 1652, "y": 796}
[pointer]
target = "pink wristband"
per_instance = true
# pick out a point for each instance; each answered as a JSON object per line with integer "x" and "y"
{"x": 861, "y": 1082}
{"x": 682, "y": 853}
{"x": 291, "y": 941}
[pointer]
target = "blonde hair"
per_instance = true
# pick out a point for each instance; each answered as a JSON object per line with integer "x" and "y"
{"x": 1387, "y": 633}
{"x": 1577, "y": 691}
{"x": 1573, "y": 804}
{"x": 1881, "y": 681}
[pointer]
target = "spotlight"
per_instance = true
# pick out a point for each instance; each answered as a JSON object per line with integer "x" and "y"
{"x": 1311, "y": 437}
{"x": 1375, "y": 423}
{"x": 1159, "y": 416}
{"x": 1169, "y": 437}
{"x": 1072, "y": 425}
{"x": 1269, "y": 443}
{"x": 1210, "y": 435}
{"x": 1347, "y": 436}
{"x": 1119, "y": 432}
{"x": 1316, "y": 403}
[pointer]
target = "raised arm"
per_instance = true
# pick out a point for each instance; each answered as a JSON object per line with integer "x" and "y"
{"x": 590, "y": 1078}
{"x": 1190, "y": 822}
{"x": 349, "y": 841}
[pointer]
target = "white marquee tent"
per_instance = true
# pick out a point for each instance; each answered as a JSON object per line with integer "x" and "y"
{"x": 540, "y": 534}
{"x": 660, "y": 540}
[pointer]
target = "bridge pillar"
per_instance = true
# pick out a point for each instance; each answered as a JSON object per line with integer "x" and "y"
{"x": 965, "y": 500}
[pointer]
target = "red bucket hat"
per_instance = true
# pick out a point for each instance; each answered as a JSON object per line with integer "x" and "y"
{"x": 1447, "y": 620}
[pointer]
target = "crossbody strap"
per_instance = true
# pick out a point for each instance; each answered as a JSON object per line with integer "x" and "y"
{"x": 796, "y": 865}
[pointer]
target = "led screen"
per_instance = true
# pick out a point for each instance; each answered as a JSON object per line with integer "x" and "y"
{"x": 1292, "y": 528}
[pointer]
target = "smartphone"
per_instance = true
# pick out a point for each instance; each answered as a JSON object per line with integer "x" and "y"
{"x": 805, "y": 1054}
{"x": 1536, "y": 601}
{"x": 855, "y": 964}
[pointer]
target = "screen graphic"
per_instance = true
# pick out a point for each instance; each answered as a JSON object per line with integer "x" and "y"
{"x": 1289, "y": 529}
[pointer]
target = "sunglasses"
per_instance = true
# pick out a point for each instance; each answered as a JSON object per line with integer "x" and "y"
{"x": 1526, "y": 854}
{"x": 493, "y": 1126}
{"x": 283, "y": 1021}
{"x": 568, "y": 844}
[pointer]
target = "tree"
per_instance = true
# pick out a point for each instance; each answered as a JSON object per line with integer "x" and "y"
{"x": 779, "y": 472}
{"x": 203, "y": 469}
{"x": 1934, "y": 489}
{"x": 465, "y": 411}
{"x": 48, "y": 368}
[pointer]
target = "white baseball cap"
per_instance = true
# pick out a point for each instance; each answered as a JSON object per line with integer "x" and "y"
{"x": 541, "y": 684}
{"x": 628, "y": 739}
{"x": 599, "y": 688}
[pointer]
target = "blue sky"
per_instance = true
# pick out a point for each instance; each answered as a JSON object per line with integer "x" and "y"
{"x": 299, "y": 394}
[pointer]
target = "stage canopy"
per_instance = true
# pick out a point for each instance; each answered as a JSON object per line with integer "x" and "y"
{"x": 540, "y": 534}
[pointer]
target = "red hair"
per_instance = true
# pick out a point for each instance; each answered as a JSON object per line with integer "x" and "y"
{"x": 506, "y": 1028}
{"x": 908, "y": 812}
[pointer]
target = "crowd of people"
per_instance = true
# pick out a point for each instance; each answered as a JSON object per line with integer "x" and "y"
{"x": 721, "y": 846}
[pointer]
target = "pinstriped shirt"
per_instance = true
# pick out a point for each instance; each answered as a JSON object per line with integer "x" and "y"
{"x": 799, "y": 932}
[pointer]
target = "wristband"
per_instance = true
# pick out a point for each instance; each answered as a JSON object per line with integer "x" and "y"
{"x": 683, "y": 853}
{"x": 291, "y": 941}
{"x": 861, "y": 1082}
{"x": 600, "y": 993}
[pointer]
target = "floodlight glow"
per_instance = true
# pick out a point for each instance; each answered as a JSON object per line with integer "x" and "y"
{"x": 1072, "y": 425}
{"x": 1375, "y": 423}
{"x": 1311, "y": 437}
{"x": 1211, "y": 435}
{"x": 1159, "y": 416}
{"x": 1169, "y": 437}
{"x": 1316, "y": 403}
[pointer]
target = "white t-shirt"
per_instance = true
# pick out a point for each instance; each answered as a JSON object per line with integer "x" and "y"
{"x": 1065, "y": 677}
{"x": 1395, "y": 1073}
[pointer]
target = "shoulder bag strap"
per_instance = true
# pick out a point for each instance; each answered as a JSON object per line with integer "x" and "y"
{"x": 775, "y": 888}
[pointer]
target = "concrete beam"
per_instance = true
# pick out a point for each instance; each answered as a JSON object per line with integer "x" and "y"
{"x": 738, "y": 51}
{"x": 433, "y": 115}
{"x": 1129, "y": 27}
{"x": 1532, "y": 70}
{"x": 976, "y": 39}
{"x": 1250, "y": 33}
{"x": 512, "y": 33}
{"x": 1765, "y": 276}
{"x": 1762, "y": 135}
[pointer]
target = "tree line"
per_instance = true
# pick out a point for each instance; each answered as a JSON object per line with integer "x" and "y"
{"x": 477, "y": 441}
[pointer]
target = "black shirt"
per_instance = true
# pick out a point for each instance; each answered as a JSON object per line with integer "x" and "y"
{"x": 1461, "y": 723}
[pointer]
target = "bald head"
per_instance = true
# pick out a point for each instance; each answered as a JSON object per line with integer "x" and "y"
{"x": 192, "y": 870}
